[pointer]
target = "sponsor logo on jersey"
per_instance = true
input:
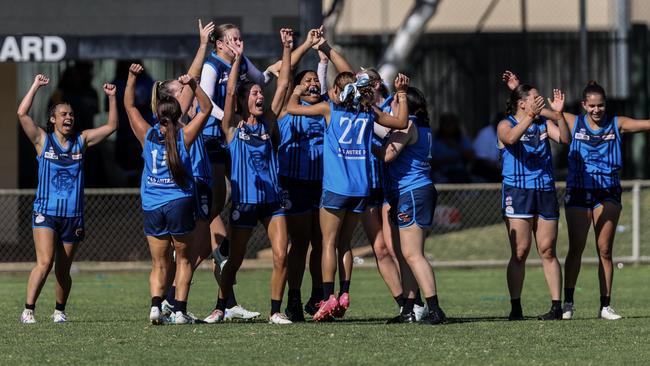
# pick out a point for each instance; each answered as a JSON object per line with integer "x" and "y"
{"x": 352, "y": 154}
{"x": 159, "y": 181}
{"x": 581, "y": 136}
{"x": 50, "y": 154}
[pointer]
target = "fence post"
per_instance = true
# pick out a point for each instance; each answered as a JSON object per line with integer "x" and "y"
{"x": 636, "y": 222}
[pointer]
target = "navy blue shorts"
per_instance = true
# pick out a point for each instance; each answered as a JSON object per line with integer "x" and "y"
{"x": 591, "y": 198}
{"x": 340, "y": 202}
{"x": 528, "y": 203}
{"x": 217, "y": 150}
{"x": 300, "y": 196}
{"x": 203, "y": 197}
{"x": 376, "y": 198}
{"x": 70, "y": 230}
{"x": 176, "y": 217}
{"x": 246, "y": 215}
{"x": 414, "y": 207}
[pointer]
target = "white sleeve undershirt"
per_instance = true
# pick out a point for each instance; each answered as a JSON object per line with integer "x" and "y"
{"x": 208, "y": 81}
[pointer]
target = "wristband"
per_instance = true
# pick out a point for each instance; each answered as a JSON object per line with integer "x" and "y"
{"x": 326, "y": 49}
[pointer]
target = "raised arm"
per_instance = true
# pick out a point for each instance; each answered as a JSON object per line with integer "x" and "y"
{"x": 34, "y": 133}
{"x": 138, "y": 124}
{"x": 322, "y": 72}
{"x": 229, "y": 121}
{"x": 193, "y": 129}
{"x": 509, "y": 135}
{"x": 278, "y": 103}
{"x": 94, "y": 136}
{"x": 297, "y": 54}
{"x": 187, "y": 95}
{"x": 398, "y": 140}
{"x": 400, "y": 121}
{"x": 512, "y": 81}
{"x": 340, "y": 63}
{"x": 559, "y": 133}
{"x": 631, "y": 125}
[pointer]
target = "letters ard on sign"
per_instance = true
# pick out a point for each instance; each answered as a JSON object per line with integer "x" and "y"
{"x": 32, "y": 48}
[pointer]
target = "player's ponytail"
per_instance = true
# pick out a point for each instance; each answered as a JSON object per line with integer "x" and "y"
{"x": 160, "y": 90}
{"x": 356, "y": 93}
{"x": 593, "y": 88}
{"x": 519, "y": 93}
{"x": 169, "y": 112}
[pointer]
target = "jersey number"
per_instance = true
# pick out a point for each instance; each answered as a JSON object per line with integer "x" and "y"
{"x": 154, "y": 155}
{"x": 344, "y": 139}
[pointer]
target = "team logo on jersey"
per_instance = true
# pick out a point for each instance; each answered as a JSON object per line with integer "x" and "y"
{"x": 510, "y": 210}
{"x": 508, "y": 201}
{"x": 39, "y": 218}
{"x": 63, "y": 182}
{"x": 314, "y": 129}
{"x": 257, "y": 161}
{"x": 236, "y": 215}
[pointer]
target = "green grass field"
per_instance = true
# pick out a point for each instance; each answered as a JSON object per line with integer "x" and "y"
{"x": 108, "y": 325}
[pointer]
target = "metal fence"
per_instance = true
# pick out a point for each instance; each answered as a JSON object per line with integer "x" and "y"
{"x": 468, "y": 227}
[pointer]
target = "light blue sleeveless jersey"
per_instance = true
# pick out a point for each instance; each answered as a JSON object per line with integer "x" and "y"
{"x": 253, "y": 176}
{"x": 300, "y": 153}
{"x": 346, "y": 152}
{"x": 60, "y": 178}
{"x": 412, "y": 167}
{"x": 595, "y": 156}
{"x": 157, "y": 186}
{"x": 528, "y": 163}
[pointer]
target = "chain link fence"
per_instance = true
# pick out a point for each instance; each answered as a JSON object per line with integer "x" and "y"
{"x": 468, "y": 227}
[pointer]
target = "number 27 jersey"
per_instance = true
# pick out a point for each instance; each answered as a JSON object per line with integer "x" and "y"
{"x": 346, "y": 152}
